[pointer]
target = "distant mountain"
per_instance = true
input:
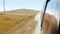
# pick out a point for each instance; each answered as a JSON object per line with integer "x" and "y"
{"x": 22, "y": 11}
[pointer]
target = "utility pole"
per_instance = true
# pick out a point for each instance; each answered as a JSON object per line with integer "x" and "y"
{"x": 44, "y": 13}
{"x": 4, "y": 5}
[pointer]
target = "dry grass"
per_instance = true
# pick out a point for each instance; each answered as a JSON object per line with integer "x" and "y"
{"x": 14, "y": 17}
{"x": 8, "y": 20}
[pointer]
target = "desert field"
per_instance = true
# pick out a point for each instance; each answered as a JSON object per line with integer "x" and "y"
{"x": 16, "y": 20}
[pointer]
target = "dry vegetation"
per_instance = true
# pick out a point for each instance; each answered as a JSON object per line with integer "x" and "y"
{"x": 14, "y": 18}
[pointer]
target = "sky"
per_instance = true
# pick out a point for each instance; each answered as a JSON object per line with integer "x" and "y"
{"x": 28, "y": 4}
{"x": 19, "y": 4}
